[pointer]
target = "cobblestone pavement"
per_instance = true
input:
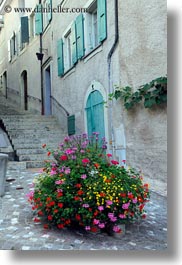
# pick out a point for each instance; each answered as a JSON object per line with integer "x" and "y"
{"x": 19, "y": 232}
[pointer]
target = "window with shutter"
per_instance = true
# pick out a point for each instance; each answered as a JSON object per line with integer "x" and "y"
{"x": 73, "y": 43}
{"x": 67, "y": 51}
{"x": 38, "y": 20}
{"x": 24, "y": 29}
{"x": 80, "y": 36}
{"x": 71, "y": 125}
{"x": 102, "y": 19}
{"x": 60, "y": 57}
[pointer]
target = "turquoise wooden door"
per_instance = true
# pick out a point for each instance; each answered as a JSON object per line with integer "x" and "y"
{"x": 95, "y": 114}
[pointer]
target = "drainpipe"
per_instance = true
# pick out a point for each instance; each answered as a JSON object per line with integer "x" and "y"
{"x": 109, "y": 60}
{"x": 41, "y": 78}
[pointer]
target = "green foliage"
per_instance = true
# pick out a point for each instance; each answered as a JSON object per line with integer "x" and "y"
{"x": 153, "y": 93}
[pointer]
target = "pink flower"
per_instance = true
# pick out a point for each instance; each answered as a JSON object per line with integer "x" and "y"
{"x": 96, "y": 222}
{"x": 109, "y": 155}
{"x": 134, "y": 200}
{"x": 84, "y": 176}
{"x": 126, "y": 206}
{"x": 69, "y": 152}
{"x": 58, "y": 182}
{"x": 114, "y": 162}
{"x": 87, "y": 228}
{"x": 67, "y": 171}
{"x": 117, "y": 229}
{"x": 122, "y": 216}
{"x": 53, "y": 172}
{"x": 85, "y": 161}
{"x": 108, "y": 202}
{"x": 102, "y": 225}
{"x": 100, "y": 208}
{"x": 110, "y": 215}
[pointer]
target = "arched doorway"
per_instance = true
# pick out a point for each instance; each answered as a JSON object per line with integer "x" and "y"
{"x": 24, "y": 90}
{"x": 95, "y": 113}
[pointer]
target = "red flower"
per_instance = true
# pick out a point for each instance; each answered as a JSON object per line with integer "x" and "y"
{"x": 48, "y": 153}
{"x": 56, "y": 211}
{"x": 94, "y": 229}
{"x": 102, "y": 194}
{"x": 60, "y": 205}
{"x": 109, "y": 155}
{"x": 123, "y": 195}
{"x": 76, "y": 198}
{"x": 96, "y": 165}
{"x": 60, "y": 194}
{"x": 77, "y": 217}
{"x": 80, "y": 192}
{"x": 63, "y": 158}
{"x": 50, "y": 217}
{"x": 36, "y": 220}
{"x": 46, "y": 226}
{"x": 130, "y": 196}
{"x": 67, "y": 222}
{"x": 141, "y": 207}
{"x": 78, "y": 185}
{"x": 85, "y": 161}
{"x": 114, "y": 162}
{"x": 44, "y": 145}
{"x": 144, "y": 216}
{"x": 40, "y": 213}
{"x": 60, "y": 226}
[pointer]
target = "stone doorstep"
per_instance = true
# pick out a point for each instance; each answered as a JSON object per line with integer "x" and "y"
{"x": 32, "y": 135}
{"x": 13, "y": 165}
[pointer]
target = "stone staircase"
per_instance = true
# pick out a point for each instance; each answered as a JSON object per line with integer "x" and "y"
{"x": 27, "y": 132}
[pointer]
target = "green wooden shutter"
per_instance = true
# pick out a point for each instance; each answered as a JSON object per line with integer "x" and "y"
{"x": 102, "y": 20}
{"x": 60, "y": 58}
{"x": 71, "y": 125}
{"x": 24, "y": 30}
{"x": 80, "y": 36}
{"x": 73, "y": 43}
{"x": 49, "y": 3}
{"x": 38, "y": 20}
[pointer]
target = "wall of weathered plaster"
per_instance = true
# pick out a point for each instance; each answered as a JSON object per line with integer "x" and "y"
{"x": 143, "y": 57}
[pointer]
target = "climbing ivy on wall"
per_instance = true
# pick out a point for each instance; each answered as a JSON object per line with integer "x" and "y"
{"x": 151, "y": 94}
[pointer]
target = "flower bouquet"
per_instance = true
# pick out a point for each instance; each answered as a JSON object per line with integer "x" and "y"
{"x": 85, "y": 187}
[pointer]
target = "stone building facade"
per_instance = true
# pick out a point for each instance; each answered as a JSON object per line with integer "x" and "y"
{"x": 88, "y": 47}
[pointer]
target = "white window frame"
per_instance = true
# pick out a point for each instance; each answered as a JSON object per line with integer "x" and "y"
{"x": 91, "y": 36}
{"x": 32, "y": 26}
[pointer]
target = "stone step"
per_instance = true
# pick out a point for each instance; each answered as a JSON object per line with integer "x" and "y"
{"x": 16, "y": 165}
{"x": 35, "y": 157}
{"x": 30, "y": 126}
{"x": 36, "y": 164}
{"x": 35, "y": 146}
{"x": 27, "y": 116}
{"x": 47, "y": 135}
{"x": 31, "y": 151}
{"x": 47, "y": 140}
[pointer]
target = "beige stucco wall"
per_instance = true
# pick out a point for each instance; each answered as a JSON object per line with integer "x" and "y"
{"x": 143, "y": 57}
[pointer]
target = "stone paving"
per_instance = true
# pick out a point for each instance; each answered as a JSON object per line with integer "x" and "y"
{"x": 19, "y": 232}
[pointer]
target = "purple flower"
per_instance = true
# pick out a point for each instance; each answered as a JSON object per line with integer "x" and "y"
{"x": 110, "y": 215}
{"x": 85, "y": 205}
{"x": 126, "y": 205}
{"x": 73, "y": 157}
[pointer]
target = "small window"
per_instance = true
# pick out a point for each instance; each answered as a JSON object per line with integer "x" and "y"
{"x": 91, "y": 28}
{"x": 32, "y": 26}
{"x": 71, "y": 125}
{"x": 47, "y": 12}
{"x": 67, "y": 51}
{"x": 12, "y": 47}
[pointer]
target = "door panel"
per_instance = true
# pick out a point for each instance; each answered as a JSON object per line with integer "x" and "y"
{"x": 95, "y": 114}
